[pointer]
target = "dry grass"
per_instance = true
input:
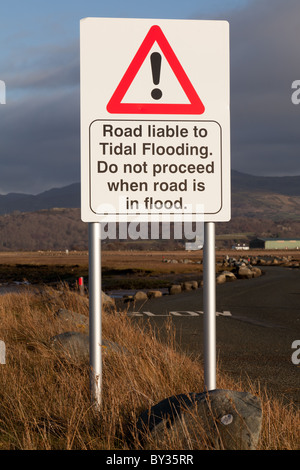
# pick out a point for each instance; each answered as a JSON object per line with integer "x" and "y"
{"x": 45, "y": 398}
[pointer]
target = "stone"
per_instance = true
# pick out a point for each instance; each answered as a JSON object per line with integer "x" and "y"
{"x": 107, "y": 301}
{"x": 221, "y": 279}
{"x": 187, "y": 286}
{"x": 74, "y": 345}
{"x": 228, "y": 419}
{"x": 245, "y": 273}
{"x": 112, "y": 347}
{"x": 154, "y": 294}
{"x": 229, "y": 276}
{"x": 257, "y": 272}
{"x": 140, "y": 295}
{"x": 175, "y": 289}
{"x": 225, "y": 276}
{"x": 73, "y": 318}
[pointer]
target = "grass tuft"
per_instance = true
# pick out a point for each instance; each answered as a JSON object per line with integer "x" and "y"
{"x": 45, "y": 397}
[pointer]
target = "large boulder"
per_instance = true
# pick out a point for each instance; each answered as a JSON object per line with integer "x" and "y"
{"x": 154, "y": 294}
{"x": 245, "y": 273}
{"x": 75, "y": 346}
{"x": 225, "y": 276}
{"x": 230, "y": 276}
{"x": 175, "y": 289}
{"x": 187, "y": 286}
{"x": 226, "y": 419}
{"x": 107, "y": 301}
{"x": 71, "y": 344}
{"x": 73, "y": 319}
{"x": 221, "y": 278}
{"x": 256, "y": 271}
{"x": 140, "y": 295}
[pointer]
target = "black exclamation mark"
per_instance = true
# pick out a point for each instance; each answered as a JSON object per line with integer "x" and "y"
{"x": 155, "y": 59}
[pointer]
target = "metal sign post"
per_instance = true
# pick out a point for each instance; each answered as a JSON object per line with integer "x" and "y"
{"x": 209, "y": 306}
{"x": 95, "y": 307}
{"x": 155, "y": 140}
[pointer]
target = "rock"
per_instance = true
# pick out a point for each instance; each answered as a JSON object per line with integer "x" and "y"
{"x": 257, "y": 272}
{"x": 112, "y": 347}
{"x": 74, "y": 345}
{"x": 107, "y": 301}
{"x": 225, "y": 276}
{"x": 140, "y": 295}
{"x": 175, "y": 289}
{"x": 229, "y": 276}
{"x": 73, "y": 318}
{"x": 186, "y": 286}
{"x": 230, "y": 420}
{"x": 154, "y": 294}
{"x": 245, "y": 273}
{"x": 189, "y": 285}
{"x": 221, "y": 279}
{"x": 262, "y": 262}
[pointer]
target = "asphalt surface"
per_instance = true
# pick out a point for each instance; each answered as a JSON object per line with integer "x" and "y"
{"x": 254, "y": 340}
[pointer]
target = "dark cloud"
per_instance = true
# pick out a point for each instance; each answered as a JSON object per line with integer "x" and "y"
{"x": 265, "y": 60}
{"x": 39, "y": 125}
{"x": 40, "y": 142}
{"x": 44, "y": 68}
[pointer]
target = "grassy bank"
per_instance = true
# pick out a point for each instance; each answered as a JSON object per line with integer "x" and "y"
{"x": 45, "y": 398}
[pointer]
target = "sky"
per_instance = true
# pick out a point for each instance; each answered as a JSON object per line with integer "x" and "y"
{"x": 39, "y": 65}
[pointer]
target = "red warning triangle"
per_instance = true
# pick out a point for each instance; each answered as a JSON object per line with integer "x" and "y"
{"x": 115, "y": 104}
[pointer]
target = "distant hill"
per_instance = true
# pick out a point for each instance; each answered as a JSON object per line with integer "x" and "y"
{"x": 286, "y": 185}
{"x": 68, "y": 197}
{"x": 269, "y": 197}
{"x": 261, "y": 206}
{"x": 249, "y": 195}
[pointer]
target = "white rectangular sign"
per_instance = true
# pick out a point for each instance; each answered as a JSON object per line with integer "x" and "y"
{"x": 155, "y": 128}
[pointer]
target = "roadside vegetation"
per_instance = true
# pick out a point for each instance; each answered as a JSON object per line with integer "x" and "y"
{"x": 45, "y": 397}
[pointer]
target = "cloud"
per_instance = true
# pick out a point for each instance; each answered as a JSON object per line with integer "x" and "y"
{"x": 264, "y": 63}
{"x": 40, "y": 142}
{"x": 39, "y": 124}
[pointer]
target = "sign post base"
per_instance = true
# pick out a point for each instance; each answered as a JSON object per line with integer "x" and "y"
{"x": 209, "y": 306}
{"x": 95, "y": 307}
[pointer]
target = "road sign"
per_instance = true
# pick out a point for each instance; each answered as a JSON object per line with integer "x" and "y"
{"x": 155, "y": 141}
{"x": 154, "y": 119}
{"x": 155, "y": 34}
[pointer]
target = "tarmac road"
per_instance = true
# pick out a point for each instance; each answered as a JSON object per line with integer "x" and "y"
{"x": 255, "y": 339}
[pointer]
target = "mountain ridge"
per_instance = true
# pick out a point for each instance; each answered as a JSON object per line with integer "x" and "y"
{"x": 248, "y": 192}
